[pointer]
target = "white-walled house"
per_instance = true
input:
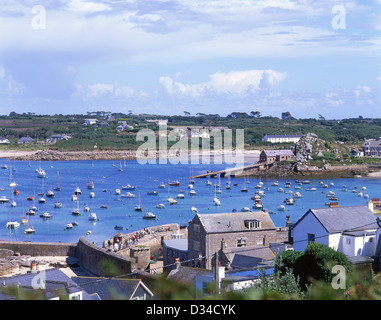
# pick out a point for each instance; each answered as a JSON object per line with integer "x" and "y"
{"x": 350, "y": 230}
{"x": 282, "y": 138}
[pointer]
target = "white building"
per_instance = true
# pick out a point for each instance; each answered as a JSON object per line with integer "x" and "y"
{"x": 281, "y": 138}
{"x": 90, "y": 122}
{"x": 350, "y": 230}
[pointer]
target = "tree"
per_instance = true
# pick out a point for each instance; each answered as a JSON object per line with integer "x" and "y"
{"x": 187, "y": 113}
{"x": 313, "y": 264}
{"x": 255, "y": 114}
{"x": 287, "y": 116}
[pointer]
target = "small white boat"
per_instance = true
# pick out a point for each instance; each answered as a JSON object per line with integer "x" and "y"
{"x": 117, "y": 191}
{"x": 93, "y": 216}
{"x": 275, "y": 184}
{"x": 50, "y": 194}
{"x": 86, "y": 209}
{"x": 180, "y": 196}
{"x": 69, "y": 226}
{"x": 162, "y": 185}
{"x": 280, "y": 190}
{"x": 128, "y": 195}
{"x": 41, "y": 173}
{"x": 311, "y": 189}
{"x": 13, "y": 184}
{"x": 245, "y": 209}
{"x": 172, "y": 201}
{"x": 46, "y": 215}
{"x": 41, "y": 200}
{"x": 192, "y": 193}
{"x": 281, "y": 208}
{"x": 160, "y": 206}
{"x": 13, "y": 203}
{"x": 208, "y": 183}
{"x": 58, "y": 204}
{"x": 3, "y": 199}
{"x": 193, "y": 209}
{"x": 289, "y": 201}
{"x": 13, "y": 224}
{"x": 30, "y": 230}
{"x": 258, "y": 204}
{"x": 77, "y": 191}
{"x": 149, "y": 215}
{"x": 92, "y": 195}
{"x": 74, "y": 197}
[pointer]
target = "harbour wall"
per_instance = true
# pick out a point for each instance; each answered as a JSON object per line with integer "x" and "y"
{"x": 103, "y": 262}
{"x": 40, "y": 248}
{"x": 97, "y": 261}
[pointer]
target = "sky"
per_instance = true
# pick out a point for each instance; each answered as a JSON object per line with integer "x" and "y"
{"x": 309, "y": 58}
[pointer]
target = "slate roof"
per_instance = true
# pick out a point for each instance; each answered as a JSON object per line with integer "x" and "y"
{"x": 233, "y": 222}
{"x": 247, "y": 258}
{"x": 110, "y": 288}
{"x": 340, "y": 219}
{"x": 54, "y": 279}
{"x": 372, "y": 143}
{"x": 274, "y": 153}
{"x": 178, "y": 244}
{"x": 25, "y": 139}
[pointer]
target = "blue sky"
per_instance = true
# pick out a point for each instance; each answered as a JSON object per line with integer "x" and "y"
{"x": 209, "y": 56}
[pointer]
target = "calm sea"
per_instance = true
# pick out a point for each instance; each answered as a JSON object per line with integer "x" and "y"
{"x": 146, "y": 178}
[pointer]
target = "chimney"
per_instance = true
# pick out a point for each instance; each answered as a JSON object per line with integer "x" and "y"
{"x": 265, "y": 242}
{"x": 223, "y": 244}
{"x": 178, "y": 263}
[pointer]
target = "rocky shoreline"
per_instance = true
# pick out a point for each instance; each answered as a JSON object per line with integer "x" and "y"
{"x": 296, "y": 171}
{"x": 52, "y": 155}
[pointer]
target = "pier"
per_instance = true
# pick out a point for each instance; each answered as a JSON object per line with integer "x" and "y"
{"x": 232, "y": 171}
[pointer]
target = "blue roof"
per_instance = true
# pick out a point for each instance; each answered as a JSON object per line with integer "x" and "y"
{"x": 26, "y": 139}
{"x": 54, "y": 279}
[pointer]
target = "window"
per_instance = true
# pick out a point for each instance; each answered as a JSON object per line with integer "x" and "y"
{"x": 253, "y": 224}
{"x": 348, "y": 241}
{"x": 196, "y": 227}
{"x": 196, "y": 245}
{"x": 241, "y": 242}
{"x": 311, "y": 237}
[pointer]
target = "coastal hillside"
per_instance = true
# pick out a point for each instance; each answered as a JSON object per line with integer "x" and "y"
{"x": 118, "y": 131}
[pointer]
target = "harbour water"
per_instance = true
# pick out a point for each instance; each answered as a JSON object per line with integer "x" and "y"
{"x": 108, "y": 176}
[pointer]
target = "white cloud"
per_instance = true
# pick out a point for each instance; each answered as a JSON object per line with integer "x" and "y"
{"x": 361, "y": 90}
{"x": 233, "y": 82}
{"x": 84, "y": 6}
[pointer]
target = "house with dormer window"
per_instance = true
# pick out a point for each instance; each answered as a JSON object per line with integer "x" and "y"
{"x": 237, "y": 237}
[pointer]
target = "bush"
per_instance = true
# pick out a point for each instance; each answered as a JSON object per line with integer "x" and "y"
{"x": 314, "y": 264}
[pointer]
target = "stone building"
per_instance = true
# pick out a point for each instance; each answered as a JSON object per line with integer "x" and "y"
{"x": 270, "y": 156}
{"x": 249, "y": 234}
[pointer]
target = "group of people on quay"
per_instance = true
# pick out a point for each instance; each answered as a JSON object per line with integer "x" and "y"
{"x": 122, "y": 241}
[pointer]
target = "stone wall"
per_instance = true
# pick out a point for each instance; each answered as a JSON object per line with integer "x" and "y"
{"x": 40, "y": 248}
{"x": 102, "y": 262}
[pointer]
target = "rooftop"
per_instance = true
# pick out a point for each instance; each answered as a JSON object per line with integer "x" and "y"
{"x": 234, "y": 222}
